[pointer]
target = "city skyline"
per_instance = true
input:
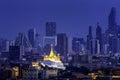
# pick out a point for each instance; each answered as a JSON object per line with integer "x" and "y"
{"x": 19, "y": 16}
{"x": 59, "y": 39}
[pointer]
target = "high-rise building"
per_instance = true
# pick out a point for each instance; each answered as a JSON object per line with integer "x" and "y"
{"x": 106, "y": 48}
{"x": 50, "y": 37}
{"x": 4, "y": 45}
{"x": 31, "y": 36}
{"x": 90, "y": 41}
{"x": 112, "y": 18}
{"x": 113, "y": 31}
{"x": 14, "y": 53}
{"x": 50, "y": 28}
{"x": 78, "y": 45}
{"x": 112, "y": 43}
{"x": 62, "y": 44}
{"x": 98, "y": 43}
{"x": 37, "y": 45}
{"x": 70, "y": 45}
{"x": 94, "y": 45}
{"x": 37, "y": 40}
{"x": 12, "y": 43}
{"x": 118, "y": 45}
{"x": 50, "y": 40}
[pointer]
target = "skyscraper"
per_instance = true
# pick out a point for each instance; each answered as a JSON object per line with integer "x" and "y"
{"x": 4, "y": 45}
{"x": 112, "y": 18}
{"x": 62, "y": 44}
{"x": 113, "y": 31}
{"x": 50, "y": 37}
{"x": 90, "y": 41}
{"x": 78, "y": 44}
{"x": 37, "y": 46}
{"x": 14, "y": 53}
{"x": 31, "y": 36}
{"x": 50, "y": 28}
{"x": 50, "y": 40}
{"x": 98, "y": 43}
{"x": 112, "y": 44}
{"x": 37, "y": 40}
{"x": 70, "y": 45}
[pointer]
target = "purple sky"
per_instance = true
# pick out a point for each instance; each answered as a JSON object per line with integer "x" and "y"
{"x": 71, "y": 16}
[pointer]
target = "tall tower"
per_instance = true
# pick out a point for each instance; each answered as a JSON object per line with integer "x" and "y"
{"x": 31, "y": 36}
{"x": 37, "y": 40}
{"x": 113, "y": 31}
{"x": 62, "y": 44}
{"x": 15, "y": 53}
{"x": 90, "y": 40}
{"x": 50, "y": 37}
{"x": 37, "y": 46}
{"x": 50, "y": 28}
{"x": 76, "y": 43}
{"x": 98, "y": 43}
{"x": 112, "y": 18}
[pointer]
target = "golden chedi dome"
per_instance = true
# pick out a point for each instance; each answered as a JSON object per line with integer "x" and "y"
{"x": 52, "y": 56}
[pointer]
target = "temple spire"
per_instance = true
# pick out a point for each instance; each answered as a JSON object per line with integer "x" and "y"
{"x": 52, "y": 56}
{"x": 51, "y": 52}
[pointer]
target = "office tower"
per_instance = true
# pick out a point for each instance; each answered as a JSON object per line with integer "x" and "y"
{"x": 37, "y": 45}
{"x": 31, "y": 36}
{"x": 50, "y": 40}
{"x": 78, "y": 45}
{"x": 106, "y": 48}
{"x": 50, "y": 37}
{"x": 98, "y": 43}
{"x": 112, "y": 18}
{"x": 14, "y": 53}
{"x": 90, "y": 41}
{"x": 118, "y": 45}
{"x": 50, "y": 28}
{"x": 94, "y": 45}
{"x": 112, "y": 44}
{"x": 37, "y": 40}
{"x": 4, "y": 45}
{"x": 12, "y": 43}
{"x": 105, "y": 44}
{"x": 70, "y": 45}
{"x": 113, "y": 31}
{"x": 62, "y": 44}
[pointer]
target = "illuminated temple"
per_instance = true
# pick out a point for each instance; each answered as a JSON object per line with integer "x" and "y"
{"x": 52, "y": 60}
{"x": 52, "y": 56}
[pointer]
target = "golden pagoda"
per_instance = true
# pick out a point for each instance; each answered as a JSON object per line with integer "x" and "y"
{"x": 52, "y": 60}
{"x": 52, "y": 56}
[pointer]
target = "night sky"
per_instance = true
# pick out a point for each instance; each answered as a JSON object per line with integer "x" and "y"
{"x": 71, "y": 16}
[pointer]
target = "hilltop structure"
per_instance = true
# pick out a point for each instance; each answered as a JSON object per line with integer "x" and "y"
{"x": 53, "y": 60}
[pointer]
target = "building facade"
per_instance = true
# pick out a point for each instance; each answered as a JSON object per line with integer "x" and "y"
{"x": 62, "y": 44}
